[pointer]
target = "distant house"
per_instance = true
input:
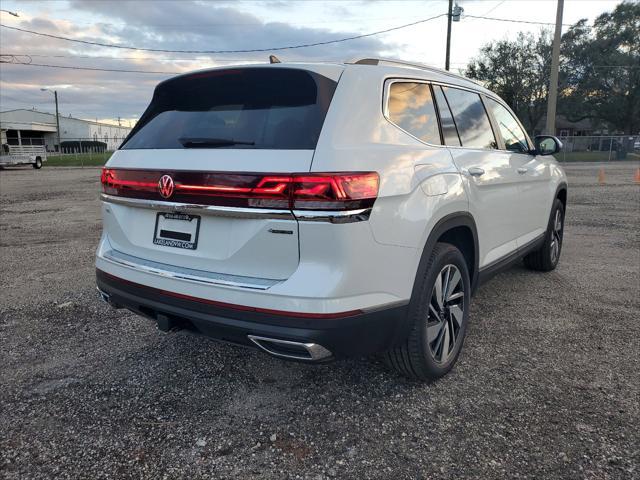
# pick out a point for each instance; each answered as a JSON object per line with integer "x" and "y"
{"x": 582, "y": 128}
{"x": 32, "y": 127}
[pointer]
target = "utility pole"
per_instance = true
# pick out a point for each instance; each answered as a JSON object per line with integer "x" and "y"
{"x": 450, "y": 14}
{"x": 453, "y": 16}
{"x": 55, "y": 95}
{"x": 553, "y": 81}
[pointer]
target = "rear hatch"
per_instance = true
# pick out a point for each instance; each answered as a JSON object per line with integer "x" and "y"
{"x": 198, "y": 184}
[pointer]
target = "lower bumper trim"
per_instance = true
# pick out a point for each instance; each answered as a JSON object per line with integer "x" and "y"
{"x": 356, "y": 334}
{"x": 245, "y": 308}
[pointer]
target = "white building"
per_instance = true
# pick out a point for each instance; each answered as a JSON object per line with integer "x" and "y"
{"x": 32, "y": 127}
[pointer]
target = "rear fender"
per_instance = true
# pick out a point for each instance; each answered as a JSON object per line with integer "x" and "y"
{"x": 448, "y": 222}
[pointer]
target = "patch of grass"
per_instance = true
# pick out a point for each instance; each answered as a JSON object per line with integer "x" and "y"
{"x": 81, "y": 159}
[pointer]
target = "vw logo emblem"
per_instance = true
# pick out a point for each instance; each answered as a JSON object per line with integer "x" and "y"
{"x": 166, "y": 186}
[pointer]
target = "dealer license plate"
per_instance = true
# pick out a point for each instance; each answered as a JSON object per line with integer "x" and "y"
{"x": 177, "y": 230}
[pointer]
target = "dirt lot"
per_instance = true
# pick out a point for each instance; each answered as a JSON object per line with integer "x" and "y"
{"x": 547, "y": 385}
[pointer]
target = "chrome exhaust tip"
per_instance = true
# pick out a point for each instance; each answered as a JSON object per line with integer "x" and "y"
{"x": 311, "y": 352}
{"x": 105, "y": 297}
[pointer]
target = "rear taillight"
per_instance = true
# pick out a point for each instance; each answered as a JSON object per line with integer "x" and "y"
{"x": 322, "y": 191}
{"x": 334, "y": 191}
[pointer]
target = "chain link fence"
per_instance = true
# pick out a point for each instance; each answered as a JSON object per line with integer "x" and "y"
{"x": 93, "y": 151}
{"x": 599, "y": 148}
{"x": 69, "y": 146}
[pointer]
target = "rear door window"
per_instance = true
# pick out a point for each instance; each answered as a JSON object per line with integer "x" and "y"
{"x": 449, "y": 131}
{"x": 471, "y": 118}
{"x": 261, "y": 108}
{"x": 410, "y": 106}
{"x": 514, "y": 137}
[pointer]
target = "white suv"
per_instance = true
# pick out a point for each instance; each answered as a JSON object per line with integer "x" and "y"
{"x": 325, "y": 210}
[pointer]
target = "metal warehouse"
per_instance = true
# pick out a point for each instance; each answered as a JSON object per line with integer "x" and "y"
{"x": 32, "y": 127}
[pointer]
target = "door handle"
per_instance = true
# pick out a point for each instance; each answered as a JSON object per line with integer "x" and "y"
{"x": 523, "y": 170}
{"x": 476, "y": 171}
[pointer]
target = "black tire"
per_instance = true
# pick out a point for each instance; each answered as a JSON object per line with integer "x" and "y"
{"x": 544, "y": 259}
{"x": 415, "y": 357}
{"x": 37, "y": 164}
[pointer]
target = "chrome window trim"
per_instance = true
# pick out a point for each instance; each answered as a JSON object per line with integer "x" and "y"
{"x": 385, "y": 111}
{"x": 183, "y": 273}
{"x": 515, "y": 117}
{"x": 385, "y": 106}
{"x": 453, "y": 85}
{"x": 486, "y": 112}
{"x": 331, "y": 216}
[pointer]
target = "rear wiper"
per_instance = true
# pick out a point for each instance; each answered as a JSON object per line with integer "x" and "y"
{"x": 203, "y": 142}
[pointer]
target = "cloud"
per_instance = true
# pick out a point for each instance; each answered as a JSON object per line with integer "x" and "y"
{"x": 189, "y": 25}
{"x": 184, "y": 25}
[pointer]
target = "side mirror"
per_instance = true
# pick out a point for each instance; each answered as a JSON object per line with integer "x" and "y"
{"x": 547, "y": 144}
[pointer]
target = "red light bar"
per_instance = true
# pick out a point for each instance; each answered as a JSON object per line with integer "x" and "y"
{"x": 323, "y": 191}
{"x": 213, "y": 188}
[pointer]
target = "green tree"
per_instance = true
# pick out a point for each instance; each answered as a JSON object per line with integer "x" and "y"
{"x": 601, "y": 69}
{"x": 519, "y": 72}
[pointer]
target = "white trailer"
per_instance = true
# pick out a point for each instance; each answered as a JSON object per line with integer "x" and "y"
{"x": 22, "y": 154}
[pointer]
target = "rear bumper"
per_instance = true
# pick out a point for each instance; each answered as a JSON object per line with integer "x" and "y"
{"x": 348, "y": 334}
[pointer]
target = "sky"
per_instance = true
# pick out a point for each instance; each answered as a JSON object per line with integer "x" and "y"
{"x": 231, "y": 25}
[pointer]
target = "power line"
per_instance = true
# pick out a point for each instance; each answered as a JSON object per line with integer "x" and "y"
{"x": 15, "y": 58}
{"x": 271, "y": 49}
{"x": 70, "y": 67}
{"x": 492, "y": 9}
{"x": 488, "y": 11}
{"x": 514, "y": 21}
{"x": 106, "y": 57}
{"x": 118, "y": 70}
{"x": 612, "y": 66}
{"x": 239, "y": 24}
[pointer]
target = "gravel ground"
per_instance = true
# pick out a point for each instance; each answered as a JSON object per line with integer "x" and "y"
{"x": 547, "y": 385}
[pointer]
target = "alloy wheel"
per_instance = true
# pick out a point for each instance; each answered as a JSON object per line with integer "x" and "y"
{"x": 556, "y": 237}
{"x": 446, "y": 313}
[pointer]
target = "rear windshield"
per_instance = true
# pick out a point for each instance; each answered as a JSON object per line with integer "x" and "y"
{"x": 263, "y": 108}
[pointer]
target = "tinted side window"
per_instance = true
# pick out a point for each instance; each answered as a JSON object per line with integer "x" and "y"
{"x": 471, "y": 118}
{"x": 410, "y": 106}
{"x": 513, "y": 136}
{"x": 446, "y": 119}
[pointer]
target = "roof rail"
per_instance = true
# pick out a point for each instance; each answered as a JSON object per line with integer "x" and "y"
{"x": 422, "y": 66}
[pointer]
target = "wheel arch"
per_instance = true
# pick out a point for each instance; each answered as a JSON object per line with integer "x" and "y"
{"x": 458, "y": 229}
{"x": 561, "y": 194}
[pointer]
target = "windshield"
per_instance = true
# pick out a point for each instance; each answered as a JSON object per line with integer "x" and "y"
{"x": 262, "y": 108}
